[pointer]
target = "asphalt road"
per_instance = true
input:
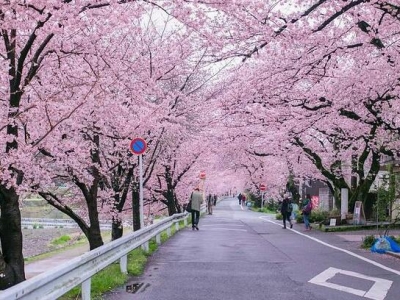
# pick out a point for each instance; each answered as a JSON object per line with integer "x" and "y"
{"x": 240, "y": 254}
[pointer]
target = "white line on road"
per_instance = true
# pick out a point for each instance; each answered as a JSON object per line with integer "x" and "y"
{"x": 378, "y": 291}
{"x": 230, "y": 229}
{"x": 337, "y": 248}
{"x": 221, "y": 224}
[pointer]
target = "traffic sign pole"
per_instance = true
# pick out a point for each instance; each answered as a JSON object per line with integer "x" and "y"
{"x": 141, "y": 191}
{"x": 262, "y": 189}
{"x": 138, "y": 146}
{"x": 262, "y": 199}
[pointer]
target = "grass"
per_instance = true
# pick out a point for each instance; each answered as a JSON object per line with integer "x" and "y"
{"x": 111, "y": 277}
{"x": 80, "y": 241}
{"x": 61, "y": 240}
{"x": 265, "y": 210}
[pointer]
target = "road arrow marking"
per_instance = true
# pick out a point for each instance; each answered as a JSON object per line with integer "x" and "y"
{"x": 378, "y": 290}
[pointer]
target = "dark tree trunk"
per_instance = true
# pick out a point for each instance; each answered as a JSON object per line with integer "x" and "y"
{"x": 117, "y": 230}
{"x": 120, "y": 197}
{"x": 11, "y": 259}
{"x": 170, "y": 192}
{"x": 93, "y": 233}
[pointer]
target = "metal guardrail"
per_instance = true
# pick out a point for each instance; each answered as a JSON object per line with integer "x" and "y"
{"x": 58, "y": 281}
{"x": 47, "y": 222}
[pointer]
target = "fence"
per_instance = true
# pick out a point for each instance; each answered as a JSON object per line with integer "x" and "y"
{"x": 58, "y": 281}
{"x": 61, "y": 223}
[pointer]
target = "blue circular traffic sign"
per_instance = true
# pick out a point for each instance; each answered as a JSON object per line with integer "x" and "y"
{"x": 138, "y": 146}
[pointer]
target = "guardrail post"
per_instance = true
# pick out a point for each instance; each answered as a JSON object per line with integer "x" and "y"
{"x": 145, "y": 246}
{"x": 86, "y": 289}
{"x": 177, "y": 226}
{"x": 185, "y": 222}
{"x": 158, "y": 239}
{"x": 123, "y": 264}
{"x": 169, "y": 231}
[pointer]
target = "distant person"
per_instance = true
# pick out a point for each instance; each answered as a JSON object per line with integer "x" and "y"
{"x": 306, "y": 211}
{"x": 196, "y": 199}
{"x": 286, "y": 211}
{"x": 240, "y": 198}
{"x": 243, "y": 199}
{"x": 215, "y": 199}
{"x": 210, "y": 204}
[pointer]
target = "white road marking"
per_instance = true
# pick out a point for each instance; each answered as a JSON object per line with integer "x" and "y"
{"x": 221, "y": 224}
{"x": 230, "y": 229}
{"x": 378, "y": 291}
{"x": 337, "y": 248}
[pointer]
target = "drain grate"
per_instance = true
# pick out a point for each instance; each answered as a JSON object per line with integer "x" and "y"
{"x": 133, "y": 288}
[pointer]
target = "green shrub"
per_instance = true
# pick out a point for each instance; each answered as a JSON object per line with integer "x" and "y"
{"x": 316, "y": 216}
{"x": 279, "y": 216}
{"x": 265, "y": 210}
{"x": 368, "y": 241}
{"x": 272, "y": 205}
{"x": 61, "y": 240}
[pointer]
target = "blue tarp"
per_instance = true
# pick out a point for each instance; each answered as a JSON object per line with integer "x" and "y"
{"x": 384, "y": 244}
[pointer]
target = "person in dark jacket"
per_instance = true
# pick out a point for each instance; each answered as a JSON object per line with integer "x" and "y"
{"x": 286, "y": 212}
{"x": 210, "y": 203}
{"x": 306, "y": 211}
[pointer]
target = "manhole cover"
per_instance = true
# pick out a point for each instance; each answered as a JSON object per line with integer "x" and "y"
{"x": 133, "y": 288}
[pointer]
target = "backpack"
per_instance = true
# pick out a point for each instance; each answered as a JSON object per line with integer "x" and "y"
{"x": 307, "y": 209}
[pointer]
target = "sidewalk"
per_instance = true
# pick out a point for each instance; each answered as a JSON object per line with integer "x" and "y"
{"x": 357, "y": 237}
{"x": 40, "y": 266}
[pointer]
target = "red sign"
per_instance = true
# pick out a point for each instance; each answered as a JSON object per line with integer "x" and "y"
{"x": 262, "y": 187}
{"x": 138, "y": 146}
{"x": 202, "y": 175}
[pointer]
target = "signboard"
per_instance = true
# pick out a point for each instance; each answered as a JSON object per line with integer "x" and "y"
{"x": 325, "y": 199}
{"x": 138, "y": 146}
{"x": 262, "y": 187}
{"x": 332, "y": 222}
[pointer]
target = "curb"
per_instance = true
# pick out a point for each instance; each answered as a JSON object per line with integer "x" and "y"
{"x": 394, "y": 254}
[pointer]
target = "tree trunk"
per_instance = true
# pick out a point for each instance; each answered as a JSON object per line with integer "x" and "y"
{"x": 94, "y": 233}
{"x": 94, "y": 237}
{"x": 117, "y": 229}
{"x": 11, "y": 259}
{"x": 169, "y": 193}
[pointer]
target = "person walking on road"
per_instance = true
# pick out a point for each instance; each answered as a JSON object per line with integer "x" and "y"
{"x": 306, "y": 211}
{"x": 240, "y": 198}
{"x": 210, "y": 203}
{"x": 286, "y": 211}
{"x": 243, "y": 200}
{"x": 196, "y": 199}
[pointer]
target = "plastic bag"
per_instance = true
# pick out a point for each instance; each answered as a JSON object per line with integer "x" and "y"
{"x": 384, "y": 244}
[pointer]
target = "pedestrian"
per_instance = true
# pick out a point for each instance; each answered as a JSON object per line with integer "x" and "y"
{"x": 215, "y": 199}
{"x": 243, "y": 199}
{"x": 210, "y": 203}
{"x": 196, "y": 200}
{"x": 240, "y": 198}
{"x": 286, "y": 211}
{"x": 306, "y": 211}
